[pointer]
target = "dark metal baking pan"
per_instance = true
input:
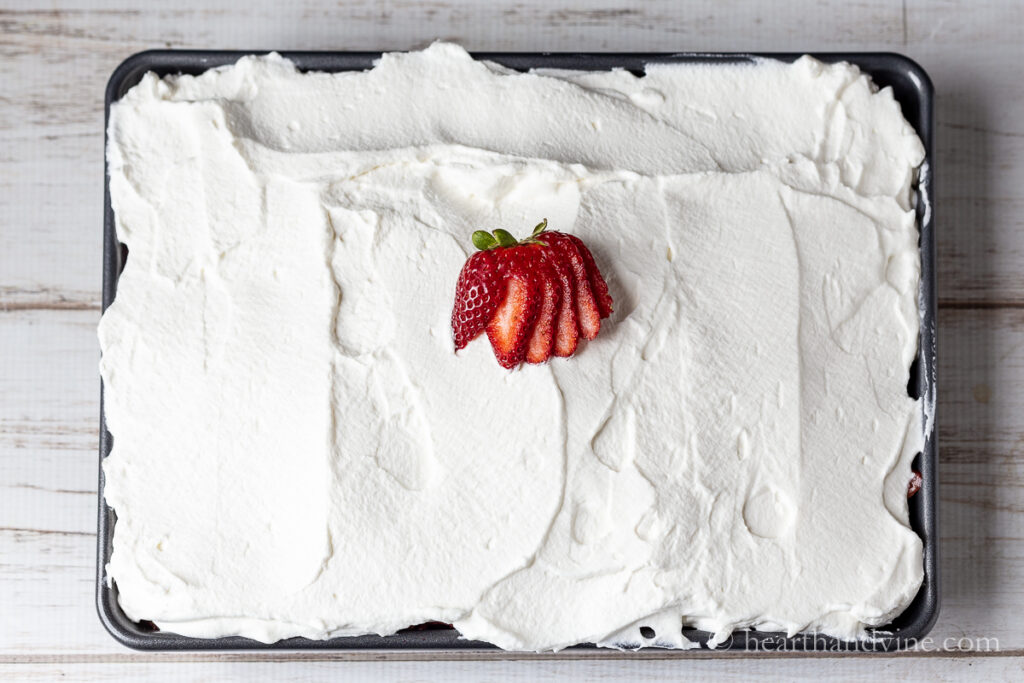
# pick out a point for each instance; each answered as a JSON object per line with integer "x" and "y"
{"x": 912, "y": 89}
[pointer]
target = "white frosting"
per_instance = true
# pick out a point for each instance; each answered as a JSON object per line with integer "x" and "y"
{"x": 299, "y": 452}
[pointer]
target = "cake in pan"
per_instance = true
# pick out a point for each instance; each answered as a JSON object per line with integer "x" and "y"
{"x": 299, "y": 449}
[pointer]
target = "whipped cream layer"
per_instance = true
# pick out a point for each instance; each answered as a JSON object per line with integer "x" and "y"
{"x": 299, "y": 452}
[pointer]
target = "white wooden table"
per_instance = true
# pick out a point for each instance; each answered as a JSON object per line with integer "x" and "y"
{"x": 54, "y": 61}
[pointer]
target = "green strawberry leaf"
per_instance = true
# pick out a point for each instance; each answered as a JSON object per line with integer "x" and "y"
{"x": 483, "y": 240}
{"x": 505, "y": 238}
{"x": 541, "y": 227}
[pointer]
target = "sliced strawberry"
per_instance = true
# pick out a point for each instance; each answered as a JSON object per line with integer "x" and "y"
{"x": 597, "y": 284}
{"x": 587, "y": 315}
{"x": 542, "y": 338}
{"x": 477, "y": 296}
{"x": 567, "y": 333}
{"x": 510, "y": 327}
{"x": 535, "y": 296}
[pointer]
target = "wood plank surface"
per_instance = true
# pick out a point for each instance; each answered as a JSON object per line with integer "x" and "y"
{"x": 991, "y": 669}
{"x": 54, "y": 60}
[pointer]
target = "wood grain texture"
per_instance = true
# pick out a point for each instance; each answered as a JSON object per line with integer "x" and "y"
{"x": 54, "y": 62}
{"x": 993, "y": 669}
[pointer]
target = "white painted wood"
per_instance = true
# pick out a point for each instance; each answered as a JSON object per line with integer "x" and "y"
{"x": 991, "y": 669}
{"x": 54, "y": 61}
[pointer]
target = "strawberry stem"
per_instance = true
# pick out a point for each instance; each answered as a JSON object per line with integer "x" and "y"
{"x": 484, "y": 240}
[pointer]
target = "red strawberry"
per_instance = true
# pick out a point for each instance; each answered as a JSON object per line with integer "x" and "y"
{"x": 597, "y": 284}
{"x": 477, "y": 296}
{"x": 587, "y": 315}
{"x": 535, "y": 296}
{"x": 915, "y": 483}
{"x": 567, "y": 333}
{"x": 542, "y": 339}
{"x": 511, "y": 327}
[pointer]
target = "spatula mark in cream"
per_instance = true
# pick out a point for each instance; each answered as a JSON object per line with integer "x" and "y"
{"x": 615, "y": 441}
{"x": 365, "y": 332}
{"x": 649, "y": 525}
{"x": 407, "y": 454}
{"x": 588, "y": 524}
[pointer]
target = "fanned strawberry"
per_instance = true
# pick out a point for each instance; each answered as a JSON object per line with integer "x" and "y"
{"x": 542, "y": 337}
{"x": 597, "y": 284}
{"x": 535, "y": 297}
{"x": 477, "y": 296}
{"x": 510, "y": 329}
{"x": 587, "y": 315}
